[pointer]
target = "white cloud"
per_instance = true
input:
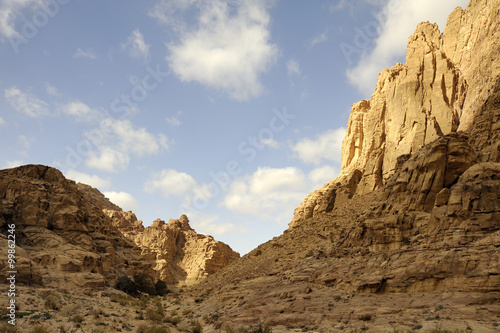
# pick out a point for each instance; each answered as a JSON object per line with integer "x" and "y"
{"x": 2, "y": 122}
{"x": 136, "y": 46}
{"x": 318, "y": 39}
{"x": 207, "y": 224}
{"x": 269, "y": 193}
{"x": 26, "y": 103}
{"x": 10, "y": 11}
{"x": 51, "y": 90}
{"x": 322, "y": 175}
{"x": 325, "y": 146}
{"x": 339, "y": 5}
{"x": 84, "y": 178}
{"x": 12, "y": 164}
{"x": 88, "y": 53}
{"x": 397, "y": 21}
{"x": 127, "y": 138}
{"x": 123, "y": 199}
{"x": 171, "y": 183}
{"x": 228, "y": 49}
{"x": 82, "y": 112}
{"x": 108, "y": 159}
{"x": 174, "y": 121}
{"x": 114, "y": 141}
{"x": 270, "y": 143}
{"x": 293, "y": 67}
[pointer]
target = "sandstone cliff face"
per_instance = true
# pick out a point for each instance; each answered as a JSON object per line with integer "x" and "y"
{"x": 440, "y": 89}
{"x": 179, "y": 254}
{"x": 417, "y": 205}
{"x": 63, "y": 239}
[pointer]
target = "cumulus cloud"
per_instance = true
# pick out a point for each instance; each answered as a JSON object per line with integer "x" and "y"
{"x": 10, "y": 11}
{"x": 325, "y": 146}
{"x": 84, "y": 178}
{"x": 228, "y": 49}
{"x": 208, "y": 224}
{"x": 88, "y": 53}
{"x": 136, "y": 46}
{"x": 170, "y": 182}
{"x": 396, "y": 22}
{"x": 268, "y": 193}
{"x": 123, "y": 199}
{"x": 323, "y": 37}
{"x": 322, "y": 175}
{"x": 26, "y": 103}
{"x": 114, "y": 141}
{"x": 270, "y": 143}
{"x": 12, "y": 164}
{"x": 82, "y": 112}
{"x": 108, "y": 159}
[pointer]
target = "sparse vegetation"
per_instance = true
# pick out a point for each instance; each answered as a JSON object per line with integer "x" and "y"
{"x": 365, "y": 317}
{"x": 52, "y": 301}
{"x": 77, "y": 318}
{"x": 196, "y": 327}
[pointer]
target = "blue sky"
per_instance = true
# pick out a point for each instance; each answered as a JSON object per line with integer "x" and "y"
{"x": 228, "y": 111}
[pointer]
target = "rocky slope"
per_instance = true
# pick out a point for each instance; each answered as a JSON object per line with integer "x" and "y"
{"x": 70, "y": 234}
{"x": 416, "y": 208}
{"x": 63, "y": 239}
{"x": 179, "y": 254}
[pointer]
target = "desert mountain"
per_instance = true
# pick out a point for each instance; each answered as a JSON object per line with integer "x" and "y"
{"x": 70, "y": 234}
{"x": 416, "y": 209}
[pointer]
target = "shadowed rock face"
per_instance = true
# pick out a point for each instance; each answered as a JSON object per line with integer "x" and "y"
{"x": 63, "y": 239}
{"x": 417, "y": 205}
{"x": 179, "y": 254}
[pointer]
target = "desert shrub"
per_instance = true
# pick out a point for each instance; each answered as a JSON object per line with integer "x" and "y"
{"x": 122, "y": 300}
{"x": 144, "y": 283}
{"x": 196, "y": 327}
{"x": 52, "y": 302}
{"x": 155, "y": 315}
{"x": 365, "y": 317}
{"x": 125, "y": 284}
{"x": 77, "y": 318}
{"x": 174, "y": 320}
{"x": 161, "y": 288}
{"x": 260, "y": 328}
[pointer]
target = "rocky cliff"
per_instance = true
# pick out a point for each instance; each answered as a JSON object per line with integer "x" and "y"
{"x": 70, "y": 234}
{"x": 441, "y": 89}
{"x": 417, "y": 205}
{"x": 63, "y": 239}
{"x": 179, "y": 254}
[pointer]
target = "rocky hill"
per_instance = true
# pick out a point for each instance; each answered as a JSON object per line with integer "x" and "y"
{"x": 416, "y": 209}
{"x": 179, "y": 254}
{"x": 70, "y": 234}
{"x": 63, "y": 239}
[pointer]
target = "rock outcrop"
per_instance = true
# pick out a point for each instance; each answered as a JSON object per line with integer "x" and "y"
{"x": 63, "y": 239}
{"x": 441, "y": 89}
{"x": 416, "y": 208}
{"x": 179, "y": 254}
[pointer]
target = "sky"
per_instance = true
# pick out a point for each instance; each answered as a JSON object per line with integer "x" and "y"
{"x": 228, "y": 111}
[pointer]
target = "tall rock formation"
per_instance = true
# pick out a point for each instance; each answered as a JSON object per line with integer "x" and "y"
{"x": 179, "y": 254}
{"x": 440, "y": 89}
{"x": 62, "y": 238}
{"x": 416, "y": 208}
